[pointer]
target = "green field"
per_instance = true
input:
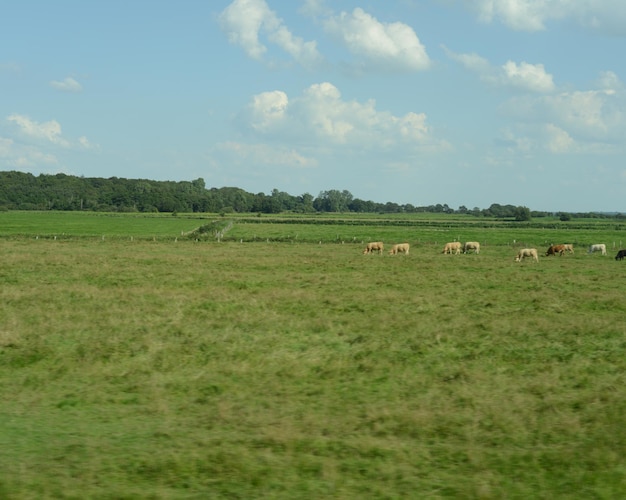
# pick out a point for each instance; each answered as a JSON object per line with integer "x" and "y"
{"x": 281, "y": 362}
{"x": 64, "y": 225}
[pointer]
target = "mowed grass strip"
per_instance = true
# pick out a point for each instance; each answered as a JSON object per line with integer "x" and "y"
{"x": 287, "y": 370}
{"x": 50, "y": 224}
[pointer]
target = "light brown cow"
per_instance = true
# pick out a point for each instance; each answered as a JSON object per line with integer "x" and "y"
{"x": 471, "y": 245}
{"x": 554, "y": 249}
{"x": 569, "y": 247}
{"x": 452, "y": 247}
{"x": 374, "y": 246}
{"x": 400, "y": 248}
{"x": 527, "y": 252}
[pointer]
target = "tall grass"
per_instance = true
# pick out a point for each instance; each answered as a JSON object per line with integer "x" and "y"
{"x": 289, "y": 370}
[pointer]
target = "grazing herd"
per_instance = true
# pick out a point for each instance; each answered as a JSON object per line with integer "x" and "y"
{"x": 379, "y": 246}
{"x": 455, "y": 247}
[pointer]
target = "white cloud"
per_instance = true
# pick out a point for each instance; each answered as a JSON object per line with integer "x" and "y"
{"x": 604, "y": 16}
{"x": 86, "y": 143}
{"x": 321, "y": 117}
{"x": 14, "y": 155}
{"x": 608, "y": 16}
{"x": 558, "y": 140}
{"x": 472, "y": 61}
{"x": 589, "y": 121}
{"x": 526, "y": 15}
{"x": 267, "y": 109}
{"x": 304, "y": 53}
{"x": 412, "y": 126}
{"x": 67, "y": 85}
{"x": 49, "y": 131}
{"x": 516, "y": 142}
{"x": 244, "y": 20}
{"x": 390, "y": 45}
{"x": 590, "y": 112}
{"x": 328, "y": 116}
{"x": 315, "y": 8}
{"x": 580, "y": 121}
{"x": 610, "y": 82}
{"x": 528, "y": 76}
{"x": 32, "y": 157}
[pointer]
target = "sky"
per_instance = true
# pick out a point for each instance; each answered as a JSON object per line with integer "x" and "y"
{"x": 422, "y": 102}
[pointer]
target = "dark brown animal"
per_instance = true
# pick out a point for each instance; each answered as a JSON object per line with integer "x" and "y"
{"x": 554, "y": 249}
{"x": 620, "y": 255}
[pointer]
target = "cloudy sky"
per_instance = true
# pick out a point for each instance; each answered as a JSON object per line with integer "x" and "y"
{"x": 464, "y": 102}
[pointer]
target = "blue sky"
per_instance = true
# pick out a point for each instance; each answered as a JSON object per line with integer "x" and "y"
{"x": 464, "y": 102}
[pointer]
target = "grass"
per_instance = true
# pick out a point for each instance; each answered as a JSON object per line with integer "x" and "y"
{"x": 162, "y": 369}
{"x": 50, "y": 224}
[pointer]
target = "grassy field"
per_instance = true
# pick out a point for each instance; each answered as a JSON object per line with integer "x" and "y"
{"x": 436, "y": 235}
{"x": 63, "y": 225}
{"x": 157, "y": 368}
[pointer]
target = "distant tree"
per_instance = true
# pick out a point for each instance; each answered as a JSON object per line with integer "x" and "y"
{"x": 564, "y": 216}
{"x": 391, "y": 208}
{"x": 361, "y": 206}
{"x": 333, "y": 201}
{"x": 284, "y": 200}
{"x": 199, "y": 184}
{"x": 24, "y": 191}
{"x": 522, "y": 214}
{"x": 305, "y": 203}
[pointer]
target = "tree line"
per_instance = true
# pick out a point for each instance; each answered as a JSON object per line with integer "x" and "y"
{"x": 25, "y": 191}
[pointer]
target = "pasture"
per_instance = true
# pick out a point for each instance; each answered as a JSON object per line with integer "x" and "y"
{"x": 148, "y": 365}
